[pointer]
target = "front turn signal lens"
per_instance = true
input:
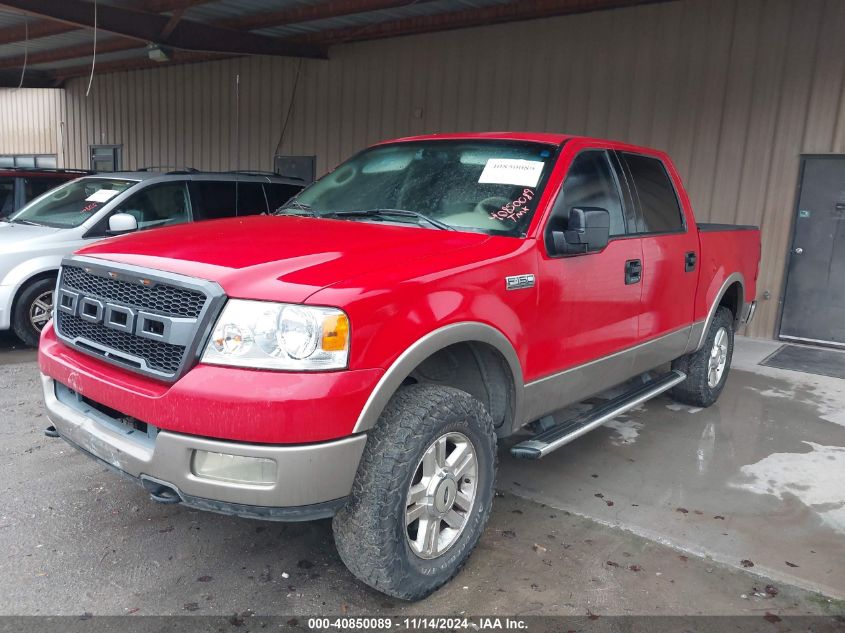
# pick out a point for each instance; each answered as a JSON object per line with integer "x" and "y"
{"x": 335, "y": 333}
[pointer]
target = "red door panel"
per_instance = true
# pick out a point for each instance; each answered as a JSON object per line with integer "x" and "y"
{"x": 585, "y": 311}
{"x": 668, "y": 290}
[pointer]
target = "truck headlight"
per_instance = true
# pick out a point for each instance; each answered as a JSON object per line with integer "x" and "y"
{"x": 269, "y": 335}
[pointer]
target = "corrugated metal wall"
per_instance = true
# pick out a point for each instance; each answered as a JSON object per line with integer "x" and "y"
{"x": 735, "y": 90}
{"x": 29, "y": 121}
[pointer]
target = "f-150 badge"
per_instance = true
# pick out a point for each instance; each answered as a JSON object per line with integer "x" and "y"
{"x": 518, "y": 282}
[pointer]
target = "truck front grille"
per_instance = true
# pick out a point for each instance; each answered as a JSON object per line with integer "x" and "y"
{"x": 145, "y": 321}
{"x": 162, "y": 357}
{"x": 159, "y": 298}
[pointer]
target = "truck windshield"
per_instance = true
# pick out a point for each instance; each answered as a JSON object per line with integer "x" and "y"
{"x": 486, "y": 186}
{"x": 71, "y": 204}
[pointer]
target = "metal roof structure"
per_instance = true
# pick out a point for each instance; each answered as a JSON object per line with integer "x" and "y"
{"x": 44, "y": 42}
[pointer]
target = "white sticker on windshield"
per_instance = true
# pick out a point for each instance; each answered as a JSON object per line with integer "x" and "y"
{"x": 512, "y": 171}
{"x": 102, "y": 195}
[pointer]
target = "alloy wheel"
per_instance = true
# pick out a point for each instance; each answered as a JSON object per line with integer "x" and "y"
{"x": 441, "y": 496}
{"x": 718, "y": 358}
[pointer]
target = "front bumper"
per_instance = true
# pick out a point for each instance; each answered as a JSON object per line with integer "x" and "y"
{"x": 226, "y": 403}
{"x": 311, "y": 480}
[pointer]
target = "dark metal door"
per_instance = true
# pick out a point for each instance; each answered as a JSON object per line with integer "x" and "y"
{"x": 814, "y": 297}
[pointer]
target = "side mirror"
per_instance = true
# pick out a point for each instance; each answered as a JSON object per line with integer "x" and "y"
{"x": 121, "y": 223}
{"x": 588, "y": 231}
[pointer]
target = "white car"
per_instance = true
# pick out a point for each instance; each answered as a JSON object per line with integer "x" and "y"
{"x": 34, "y": 240}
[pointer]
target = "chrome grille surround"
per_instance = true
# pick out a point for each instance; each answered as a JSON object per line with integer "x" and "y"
{"x": 147, "y": 321}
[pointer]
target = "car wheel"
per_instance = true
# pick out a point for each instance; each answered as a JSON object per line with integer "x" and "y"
{"x": 422, "y": 494}
{"x": 707, "y": 369}
{"x": 33, "y": 309}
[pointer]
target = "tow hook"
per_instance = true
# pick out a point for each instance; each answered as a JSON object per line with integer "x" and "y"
{"x": 51, "y": 431}
{"x": 165, "y": 495}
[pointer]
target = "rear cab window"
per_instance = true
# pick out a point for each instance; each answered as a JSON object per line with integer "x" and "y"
{"x": 660, "y": 210}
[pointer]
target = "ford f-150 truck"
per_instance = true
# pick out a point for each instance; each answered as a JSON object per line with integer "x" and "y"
{"x": 358, "y": 354}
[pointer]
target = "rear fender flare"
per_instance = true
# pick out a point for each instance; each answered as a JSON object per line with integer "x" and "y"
{"x": 732, "y": 279}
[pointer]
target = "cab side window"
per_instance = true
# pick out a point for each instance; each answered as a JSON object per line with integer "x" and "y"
{"x": 159, "y": 205}
{"x": 589, "y": 183}
{"x": 660, "y": 211}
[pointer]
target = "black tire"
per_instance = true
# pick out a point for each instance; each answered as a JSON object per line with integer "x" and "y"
{"x": 696, "y": 390}
{"x": 370, "y": 531}
{"x": 24, "y": 304}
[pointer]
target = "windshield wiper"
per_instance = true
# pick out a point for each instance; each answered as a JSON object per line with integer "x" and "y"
{"x": 27, "y": 222}
{"x": 295, "y": 206}
{"x": 405, "y": 213}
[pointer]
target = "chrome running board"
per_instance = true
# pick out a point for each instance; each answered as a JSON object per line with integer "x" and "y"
{"x": 547, "y": 441}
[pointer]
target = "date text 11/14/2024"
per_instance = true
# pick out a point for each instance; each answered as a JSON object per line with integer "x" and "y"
{"x": 419, "y": 623}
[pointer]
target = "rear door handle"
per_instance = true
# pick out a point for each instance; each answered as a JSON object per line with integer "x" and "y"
{"x": 689, "y": 261}
{"x": 633, "y": 271}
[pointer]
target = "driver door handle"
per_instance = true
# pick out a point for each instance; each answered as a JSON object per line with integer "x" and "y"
{"x": 633, "y": 271}
{"x": 690, "y": 259}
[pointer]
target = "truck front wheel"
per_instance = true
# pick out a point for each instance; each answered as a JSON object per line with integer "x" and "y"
{"x": 422, "y": 494}
{"x": 707, "y": 369}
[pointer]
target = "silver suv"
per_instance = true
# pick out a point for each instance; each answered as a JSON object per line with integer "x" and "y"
{"x": 34, "y": 240}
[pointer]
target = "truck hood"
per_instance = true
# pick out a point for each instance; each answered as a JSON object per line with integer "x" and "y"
{"x": 279, "y": 258}
{"x": 18, "y": 237}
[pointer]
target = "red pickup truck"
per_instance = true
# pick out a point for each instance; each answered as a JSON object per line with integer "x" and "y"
{"x": 358, "y": 354}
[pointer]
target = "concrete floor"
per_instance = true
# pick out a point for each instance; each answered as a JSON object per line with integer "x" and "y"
{"x": 74, "y": 538}
{"x": 760, "y": 476}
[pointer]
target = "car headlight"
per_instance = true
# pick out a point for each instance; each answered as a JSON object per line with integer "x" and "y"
{"x": 270, "y": 335}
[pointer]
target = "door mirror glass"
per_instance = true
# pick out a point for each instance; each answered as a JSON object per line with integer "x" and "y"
{"x": 587, "y": 231}
{"x": 121, "y": 223}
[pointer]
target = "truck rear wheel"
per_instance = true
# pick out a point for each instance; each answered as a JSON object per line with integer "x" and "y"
{"x": 422, "y": 494}
{"x": 707, "y": 369}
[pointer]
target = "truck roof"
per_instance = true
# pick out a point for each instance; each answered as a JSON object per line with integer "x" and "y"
{"x": 538, "y": 137}
{"x": 535, "y": 137}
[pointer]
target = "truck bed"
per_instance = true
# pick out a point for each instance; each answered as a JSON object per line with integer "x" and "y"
{"x": 726, "y": 249}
